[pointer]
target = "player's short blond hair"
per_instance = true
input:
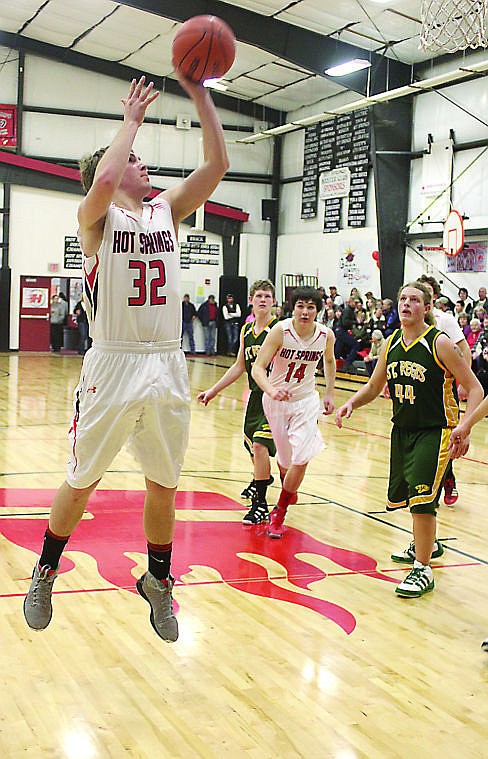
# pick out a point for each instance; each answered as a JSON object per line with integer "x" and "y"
{"x": 261, "y": 284}
{"x": 88, "y": 165}
{"x": 429, "y": 316}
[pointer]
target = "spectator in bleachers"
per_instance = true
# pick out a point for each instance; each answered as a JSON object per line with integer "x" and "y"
{"x": 463, "y": 320}
{"x": 279, "y": 313}
{"x": 467, "y": 304}
{"x": 329, "y": 322}
{"x": 345, "y": 345}
{"x": 480, "y": 344}
{"x": 322, "y": 314}
{"x": 370, "y": 308}
{"x": 390, "y": 313}
{"x": 475, "y": 326}
{"x": 361, "y": 332}
{"x": 355, "y": 294}
{"x": 459, "y": 308}
{"x": 482, "y": 299}
{"x": 378, "y": 320}
{"x": 336, "y": 297}
{"x": 377, "y": 342}
{"x": 479, "y": 312}
{"x": 359, "y": 307}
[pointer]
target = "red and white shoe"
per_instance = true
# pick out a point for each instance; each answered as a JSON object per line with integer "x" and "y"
{"x": 450, "y": 492}
{"x": 276, "y": 519}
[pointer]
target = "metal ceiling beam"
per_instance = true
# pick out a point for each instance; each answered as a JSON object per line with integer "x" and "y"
{"x": 126, "y": 73}
{"x": 311, "y": 51}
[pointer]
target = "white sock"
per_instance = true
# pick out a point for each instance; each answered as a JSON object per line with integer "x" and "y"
{"x": 426, "y": 567}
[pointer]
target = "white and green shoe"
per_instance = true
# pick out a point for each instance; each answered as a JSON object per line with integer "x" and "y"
{"x": 408, "y": 555}
{"x": 419, "y": 581}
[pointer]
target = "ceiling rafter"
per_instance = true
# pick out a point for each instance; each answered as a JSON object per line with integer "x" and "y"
{"x": 310, "y": 50}
{"x": 126, "y": 73}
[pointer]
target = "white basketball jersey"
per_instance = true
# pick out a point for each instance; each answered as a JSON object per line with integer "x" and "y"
{"x": 132, "y": 285}
{"x": 295, "y": 364}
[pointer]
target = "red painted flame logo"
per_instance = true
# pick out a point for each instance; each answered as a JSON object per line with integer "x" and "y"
{"x": 238, "y": 553}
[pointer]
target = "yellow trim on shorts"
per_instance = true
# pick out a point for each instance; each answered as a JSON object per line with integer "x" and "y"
{"x": 263, "y": 433}
{"x": 396, "y": 504}
{"x": 442, "y": 462}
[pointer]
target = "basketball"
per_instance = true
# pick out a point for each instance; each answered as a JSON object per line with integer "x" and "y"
{"x": 204, "y": 48}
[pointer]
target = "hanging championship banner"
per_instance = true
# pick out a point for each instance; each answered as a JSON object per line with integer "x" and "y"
{"x": 8, "y": 126}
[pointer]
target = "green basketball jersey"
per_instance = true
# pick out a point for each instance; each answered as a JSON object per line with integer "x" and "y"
{"x": 422, "y": 389}
{"x": 252, "y": 344}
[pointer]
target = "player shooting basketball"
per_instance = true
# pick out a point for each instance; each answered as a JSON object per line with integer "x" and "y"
{"x": 134, "y": 381}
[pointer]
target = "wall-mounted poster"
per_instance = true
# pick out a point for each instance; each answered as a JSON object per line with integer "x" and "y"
{"x": 471, "y": 258}
{"x": 8, "y": 126}
{"x": 73, "y": 257}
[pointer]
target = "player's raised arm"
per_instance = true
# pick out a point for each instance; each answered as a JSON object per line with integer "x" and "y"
{"x": 368, "y": 392}
{"x": 188, "y": 195}
{"x": 111, "y": 166}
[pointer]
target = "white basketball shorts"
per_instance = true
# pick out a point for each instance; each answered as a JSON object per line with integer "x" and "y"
{"x": 294, "y": 425}
{"x": 140, "y": 398}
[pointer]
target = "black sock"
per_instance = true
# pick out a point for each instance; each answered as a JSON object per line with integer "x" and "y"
{"x": 52, "y": 549}
{"x": 159, "y": 560}
{"x": 261, "y": 487}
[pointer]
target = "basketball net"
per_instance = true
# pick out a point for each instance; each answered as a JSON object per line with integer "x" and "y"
{"x": 452, "y": 25}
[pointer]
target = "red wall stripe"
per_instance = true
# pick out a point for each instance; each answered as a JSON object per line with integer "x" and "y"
{"x": 44, "y": 167}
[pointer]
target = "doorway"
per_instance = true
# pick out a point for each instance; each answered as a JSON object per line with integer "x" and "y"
{"x": 35, "y": 298}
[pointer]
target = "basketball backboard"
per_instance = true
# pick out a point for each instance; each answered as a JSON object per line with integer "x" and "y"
{"x": 453, "y": 237}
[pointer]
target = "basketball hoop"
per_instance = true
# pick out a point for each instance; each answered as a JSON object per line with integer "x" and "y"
{"x": 452, "y": 25}
{"x": 453, "y": 236}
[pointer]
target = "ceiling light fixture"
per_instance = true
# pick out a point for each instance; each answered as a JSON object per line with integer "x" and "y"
{"x": 215, "y": 84}
{"x": 348, "y": 68}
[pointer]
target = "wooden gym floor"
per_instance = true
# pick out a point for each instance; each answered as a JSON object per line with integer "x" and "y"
{"x": 291, "y": 648}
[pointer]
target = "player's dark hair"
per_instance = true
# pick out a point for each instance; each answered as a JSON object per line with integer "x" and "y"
{"x": 306, "y": 293}
{"x": 432, "y": 282}
{"x": 88, "y": 165}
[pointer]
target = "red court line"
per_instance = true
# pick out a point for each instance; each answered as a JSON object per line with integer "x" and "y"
{"x": 247, "y": 581}
{"x": 387, "y": 437}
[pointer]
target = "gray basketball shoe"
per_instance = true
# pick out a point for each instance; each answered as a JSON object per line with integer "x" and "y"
{"x": 38, "y": 608}
{"x": 158, "y": 595}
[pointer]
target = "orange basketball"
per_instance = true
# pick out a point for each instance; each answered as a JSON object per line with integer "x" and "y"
{"x": 204, "y": 48}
